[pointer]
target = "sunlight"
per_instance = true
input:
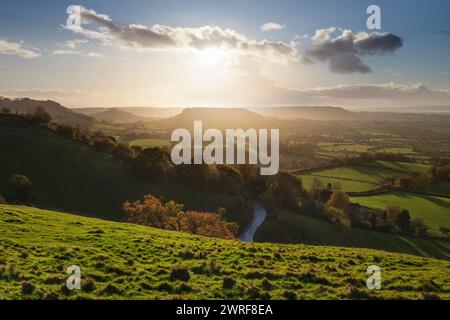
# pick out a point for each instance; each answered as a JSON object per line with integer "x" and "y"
{"x": 211, "y": 59}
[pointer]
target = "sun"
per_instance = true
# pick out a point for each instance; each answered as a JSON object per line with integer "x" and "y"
{"x": 211, "y": 59}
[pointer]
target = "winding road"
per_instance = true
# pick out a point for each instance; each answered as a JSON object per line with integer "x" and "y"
{"x": 259, "y": 216}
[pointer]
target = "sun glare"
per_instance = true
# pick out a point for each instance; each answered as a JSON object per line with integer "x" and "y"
{"x": 211, "y": 59}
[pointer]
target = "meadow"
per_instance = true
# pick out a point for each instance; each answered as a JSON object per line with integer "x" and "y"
{"x": 364, "y": 177}
{"x": 122, "y": 261}
{"x": 296, "y": 228}
{"x": 435, "y": 211}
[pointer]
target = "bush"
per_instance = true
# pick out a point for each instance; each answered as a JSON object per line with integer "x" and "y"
{"x": 228, "y": 282}
{"x": 180, "y": 273}
{"x": 27, "y": 287}
{"x": 20, "y": 188}
{"x": 2, "y": 200}
{"x": 419, "y": 227}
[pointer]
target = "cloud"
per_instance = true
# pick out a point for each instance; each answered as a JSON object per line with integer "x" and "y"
{"x": 445, "y": 31}
{"x": 63, "y": 52}
{"x": 272, "y": 26}
{"x": 386, "y": 91}
{"x": 72, "y": 44}
{"x": 160, "y": 37}
{"x": 344, "y": 52}
{"x": 17, "y": 49}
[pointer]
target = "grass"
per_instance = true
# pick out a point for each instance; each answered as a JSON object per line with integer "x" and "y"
{"x": 398, "y": 150}
{"x": 71, "y": 176}
{"x": 150, "y": 143}
{"x": 121, "y": 261}
{"x": 297, "y": 228}
{"x": 441, "y": 188}
{"x": 363, "y": 178}
{"x": 433, "y": 210}
{"x": 346, "y": 147}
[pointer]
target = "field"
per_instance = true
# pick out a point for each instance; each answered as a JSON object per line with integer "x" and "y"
{"x": 441, "y": 188}
{"x": 120, "y": 261}
{"x": 296, "y": 228}
{"x": 363, "y": 178}
{"x": 71, "y": 176}
{"x": 433, "y": 210}
{"x": 150, "y": 143}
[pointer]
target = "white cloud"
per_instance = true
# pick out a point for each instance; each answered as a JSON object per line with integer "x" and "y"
{"x": 17, "y": 49}
{"x": 269, "y": 26}
{"x": 160, "y": 37}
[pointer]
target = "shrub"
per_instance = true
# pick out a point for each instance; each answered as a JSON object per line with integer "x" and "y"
{"x": 20, "y": 188}
{"x": 228, "y": 282}
{"x": 27, "y": 287}
{"x": 180, "y": 273}
{"x": 419, "y": 227}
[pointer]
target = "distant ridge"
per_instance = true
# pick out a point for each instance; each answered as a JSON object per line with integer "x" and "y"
{"x": 147, "y": 112}
{"x": 310, "y": 113}
{"x": 58, "y": 112}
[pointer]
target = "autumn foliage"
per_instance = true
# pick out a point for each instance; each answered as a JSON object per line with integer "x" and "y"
{"x": 151, "y": 211}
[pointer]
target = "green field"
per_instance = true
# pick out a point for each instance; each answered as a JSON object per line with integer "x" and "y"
{"x": 399, "y": 150}
{"x": 150, "y": 143}
{"x": 363, "y": 178}
{"x": 297, "y": 228}
{"x": 433, "y": 210}
{"x": 121, "y": 261}
{"x": 441, "y": 188}
{"x": 339, "y": 147}
{"x": 71, "y": 176}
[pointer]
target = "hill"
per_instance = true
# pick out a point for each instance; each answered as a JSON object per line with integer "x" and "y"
{"x": 161, "y": 113}
{"x": 72, "y": 176}
{"x": 58, "y": 112}
{"x": 289, "y": 227}
{"x": 122, "y": 261}
{"x": 221, "y": 118}
{"x": 310, "y": 113}
{"x": 115, "y": 116}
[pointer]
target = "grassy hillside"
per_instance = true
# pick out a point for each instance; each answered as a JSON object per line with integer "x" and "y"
{"x": 121, "y": 261}
{"x": 435, "y": 211}
{"x": 71, "y": 176}
{"x": 295, "y": 228}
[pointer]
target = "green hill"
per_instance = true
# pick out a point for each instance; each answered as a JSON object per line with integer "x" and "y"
{"x": 71, "y": 176}
{"x": 297, "y": 228}
{"x": 122, "y": 261}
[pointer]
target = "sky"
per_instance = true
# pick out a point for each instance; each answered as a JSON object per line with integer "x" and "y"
{"x": 245, "y": 53}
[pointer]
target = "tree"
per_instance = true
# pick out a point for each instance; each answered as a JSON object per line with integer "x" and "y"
{"x": 41, "y": 116}
{"x": 398, "y": 218}
{"x": 6, "y": 110}
{"x": 153, "y": 163}
{"x": 316, "y": 188}
{"x": 339, "y": 200}
{"x": 20, "y": 189}
{"x": 338, "y": 217}
{"x": 419, "y": 227}
{"x": 171, "y": 216}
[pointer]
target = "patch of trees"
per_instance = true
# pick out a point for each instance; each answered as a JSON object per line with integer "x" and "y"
{"x": 20, "y": 190}
{"x": 152, "y": 212}
{"x": 422, "y": 182}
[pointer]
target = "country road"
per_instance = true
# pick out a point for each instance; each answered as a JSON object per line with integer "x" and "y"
{"x": 259, "y": 216}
